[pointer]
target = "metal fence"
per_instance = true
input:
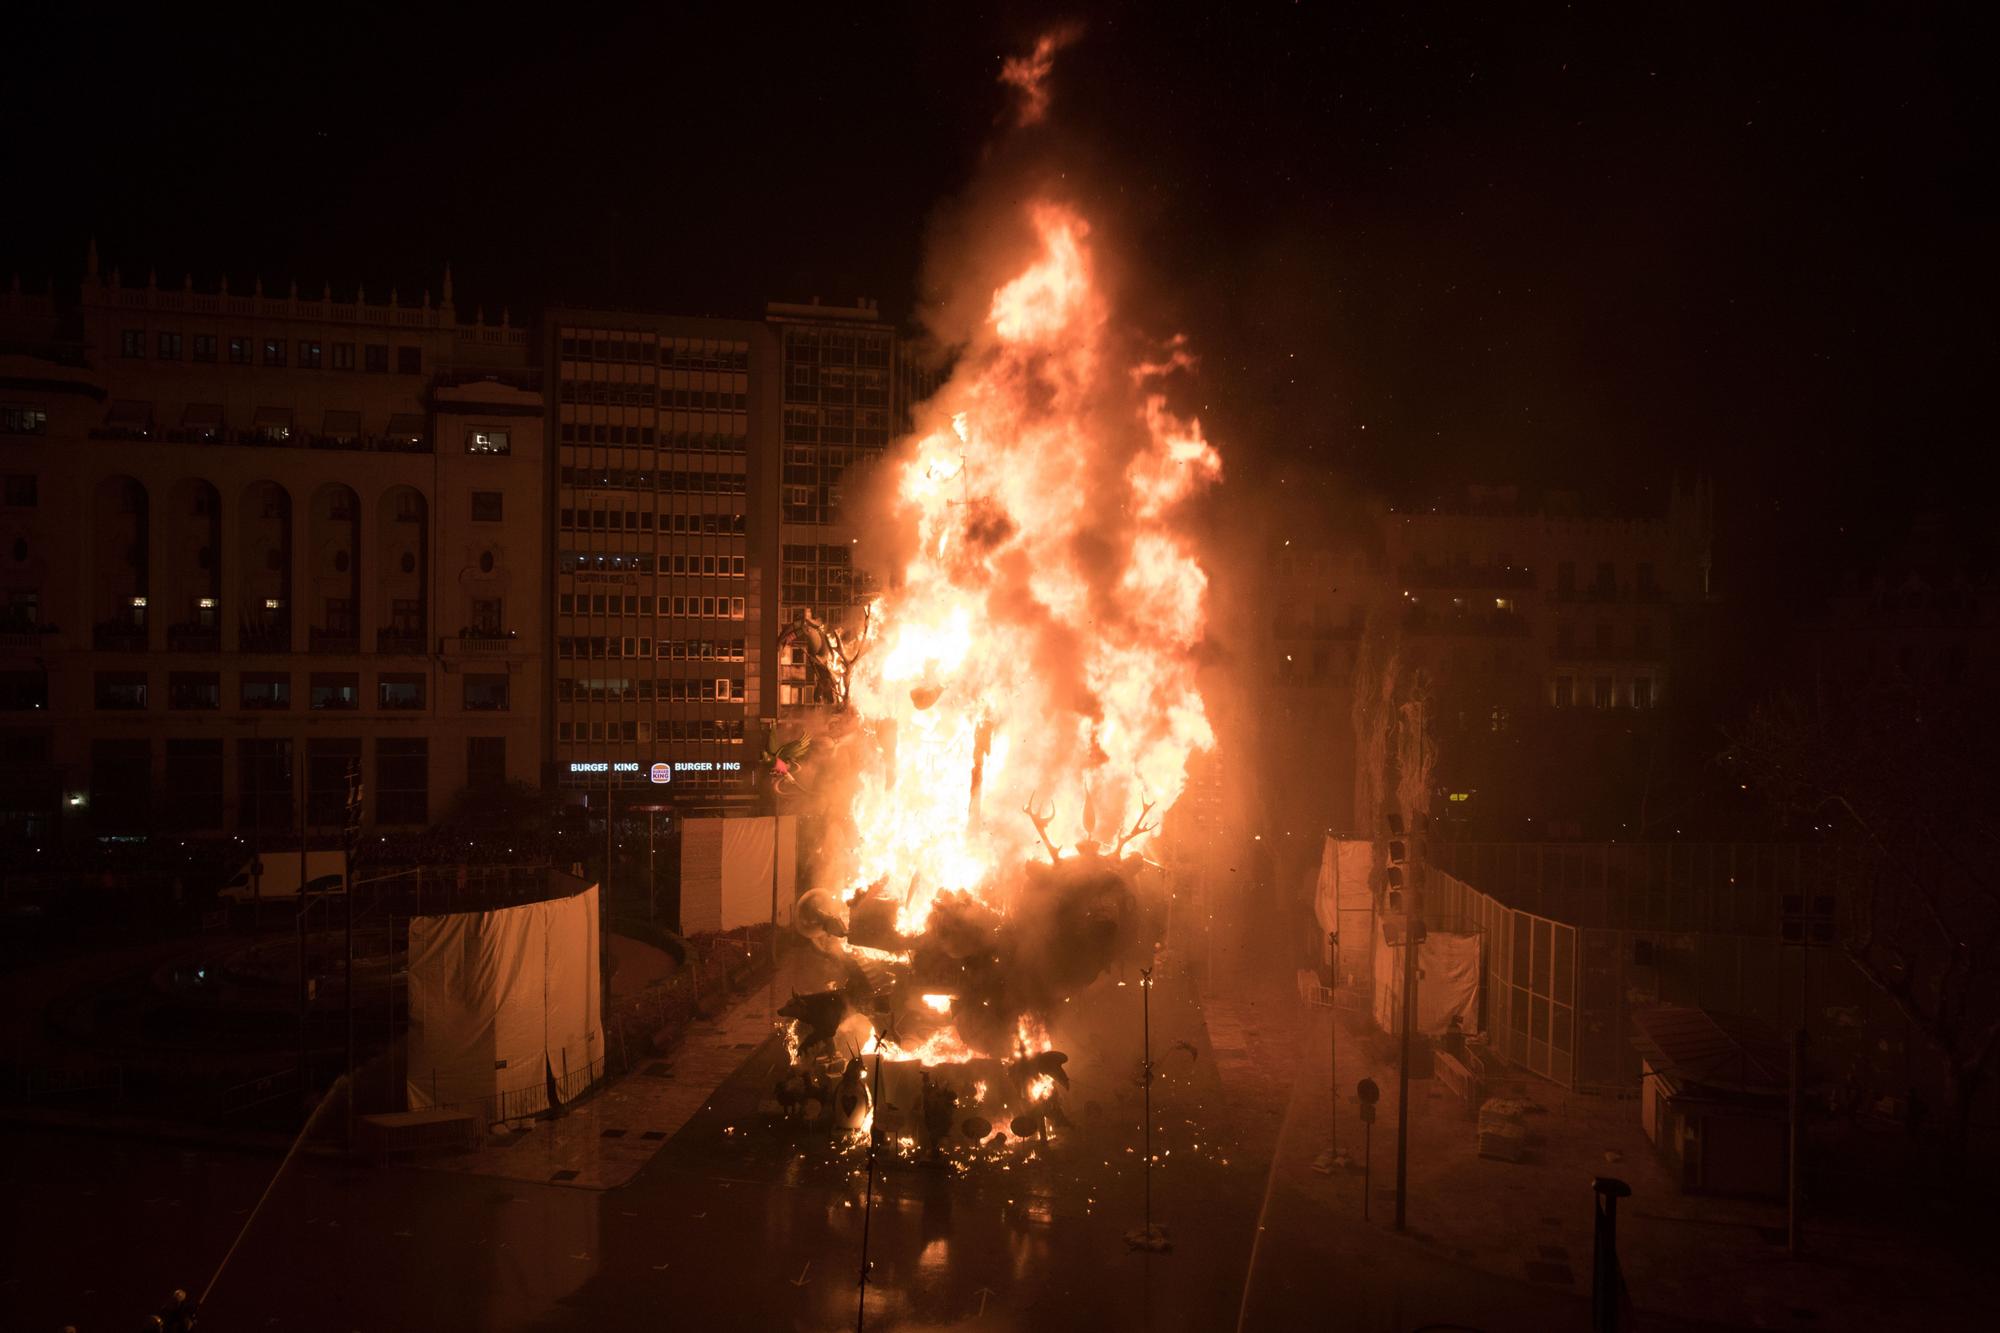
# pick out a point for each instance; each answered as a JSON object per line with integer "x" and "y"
{"x": 1579, "y": 936}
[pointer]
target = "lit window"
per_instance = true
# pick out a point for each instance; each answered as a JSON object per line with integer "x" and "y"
{"x": 487, "y": 441}
{"x": 23, "y": 420}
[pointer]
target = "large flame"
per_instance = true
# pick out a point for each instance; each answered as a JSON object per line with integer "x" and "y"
{"x": 1037, "y": 649}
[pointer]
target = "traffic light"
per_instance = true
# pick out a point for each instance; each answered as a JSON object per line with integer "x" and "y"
{"x": 1396, "y": 856}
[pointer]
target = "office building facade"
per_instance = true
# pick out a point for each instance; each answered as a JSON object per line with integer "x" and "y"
{"x": 663, "y": 519}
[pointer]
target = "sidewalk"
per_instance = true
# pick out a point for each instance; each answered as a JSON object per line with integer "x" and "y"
{"x": 1688, "y": 1260}
{"x": 608, "y": 1137}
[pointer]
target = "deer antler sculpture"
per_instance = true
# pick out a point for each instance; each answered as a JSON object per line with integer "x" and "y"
{"x": 1139, "y": 828}
{"x": 1041, "y": 823}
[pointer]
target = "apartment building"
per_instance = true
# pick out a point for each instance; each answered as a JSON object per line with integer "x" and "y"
{"x": 252, "y": 542}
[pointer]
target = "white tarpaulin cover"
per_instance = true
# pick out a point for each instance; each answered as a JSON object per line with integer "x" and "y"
{"x": 1447, "y": 983}
{"x": 501, "y": 1000}
{"x": 1344, "y": 902}
{"x": 726, "y": 868}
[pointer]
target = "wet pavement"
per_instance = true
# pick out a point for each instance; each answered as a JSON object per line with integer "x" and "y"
{"x": 734, "y": 1224}
{"x": 737, "y": 1222}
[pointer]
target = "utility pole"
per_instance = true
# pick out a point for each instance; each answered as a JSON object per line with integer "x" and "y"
{"x": 1808, "y": 930}
{"x": 350, "y": 828}
{"x": 1403, "y": 1074}
{"x": 1413, "y": 937}
{"x": 777, "y": 828}
{"x": 1333, "y": 1048}
{"x": 299, "y": 915}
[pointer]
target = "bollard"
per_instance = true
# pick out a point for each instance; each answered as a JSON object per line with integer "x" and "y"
{"x": 1607, "y": 1283}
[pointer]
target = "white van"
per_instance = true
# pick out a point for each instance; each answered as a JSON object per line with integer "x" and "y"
{"x": 281, "y": 873}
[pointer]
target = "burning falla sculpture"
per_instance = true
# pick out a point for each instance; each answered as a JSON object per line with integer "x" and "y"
{"x": 966, "y": 998}
{"x": 1038, "y": 637}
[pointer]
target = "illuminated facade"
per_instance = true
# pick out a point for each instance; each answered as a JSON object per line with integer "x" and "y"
{"x": 254, "y": 541}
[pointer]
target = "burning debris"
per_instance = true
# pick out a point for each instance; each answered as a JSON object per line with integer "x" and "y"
{"x": 1033, "y": 653}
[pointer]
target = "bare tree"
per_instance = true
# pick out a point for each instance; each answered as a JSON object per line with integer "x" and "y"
{"x": 1904, "y": 769}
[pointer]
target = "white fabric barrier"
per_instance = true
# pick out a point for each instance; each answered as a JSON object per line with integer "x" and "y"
{"x": 1344, "y": 901}
{"x": 1447, "y": 983}
{"x": 501, "y": 1000}
{"x": 726, "y": 871}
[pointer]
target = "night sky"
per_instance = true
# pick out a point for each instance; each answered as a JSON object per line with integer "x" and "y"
{"x": 1474, "y": 243}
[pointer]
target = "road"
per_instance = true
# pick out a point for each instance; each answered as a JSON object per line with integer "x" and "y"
{"x": 734, "y": 1225}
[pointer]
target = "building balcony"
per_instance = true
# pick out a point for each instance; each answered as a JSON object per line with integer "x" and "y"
{"x": 18, "y": 634}
{"x": 264, "y": 439}
{"x": 409, "y": 643}
{"x": 483, "y": 643}
{"x": 334, "y": 641}
{"x": 194, "y": 639}
{"x": 119, "y": 636}
{"x": 265, "y": 639}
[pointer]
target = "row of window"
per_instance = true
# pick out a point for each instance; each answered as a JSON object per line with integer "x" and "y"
{"x": 642, "y": 520}
{"x": 682, "y": 441}
{"x": 644, "y": 646}
{"x": 635, "y": 479}
{"x": 605, "y": 394}
{"x": 312, "y": 354}
{"x": 609, "y": 604}
{"x": 676, "y": 483}
{"x": 681, "y": 356}
{"x": 836, "y": 346}
{"x": 1604, "y": 693}
{"x": 327, "y": 691}
{"x": 728, "y": 731}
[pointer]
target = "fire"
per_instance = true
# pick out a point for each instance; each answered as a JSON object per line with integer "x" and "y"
{"x": 1031, "y": 1037}
{"x": 941, "y": 1047}
{"x": 1037, "y": 649}
{"x": 938, "y": 1004}
{"x": 1041, "y": 1087}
